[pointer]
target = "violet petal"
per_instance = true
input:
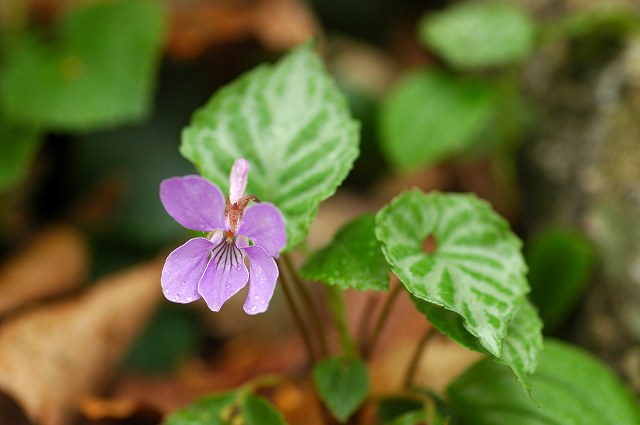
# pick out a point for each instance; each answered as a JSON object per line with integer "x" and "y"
{"x": 194, "y": 202}
{"x": 225, "y": 274}
{"x": 264, "y": 225}
{"x": 264, "y": 274}
{"x": 183, "y": 269}
{"x": 238, "y": 180}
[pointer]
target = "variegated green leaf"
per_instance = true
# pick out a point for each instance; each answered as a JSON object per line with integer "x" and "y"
{"x": 293, "y": 126}
{"x": 476, "y": 268}
{"x": 523, "y": 343}
{"x": 520, "y": 348}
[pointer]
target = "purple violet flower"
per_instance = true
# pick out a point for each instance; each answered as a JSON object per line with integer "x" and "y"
{"x": 213, "y": 267}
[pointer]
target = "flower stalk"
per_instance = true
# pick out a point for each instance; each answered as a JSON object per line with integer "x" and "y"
{"x": 314, "y": 316}
{"x": 417, "y": 356}
{"x": 370, "y": 343}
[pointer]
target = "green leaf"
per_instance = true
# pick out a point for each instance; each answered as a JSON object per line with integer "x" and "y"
{"x": 430, "y": 116}
{"x": 342, "y": 384}
{"x": 520, "y": 348}
{"x": 476, "y": 268}
{"x": 294, "y": 127}
{"x": 258, "y": 411}
{"x": 476, "y": 35}
{"x": 97, "y": 72}
{"x": 390, "y": 408}
{"x": 569, "y": 387}
{"x": 227, "y": 408}
{"x": 353, "y": 260}
{"x": 18, "y": 147}
{"x": 613, "y": 20}
{"x": 402, "y": 410}
{"x": 560, "y": 262}
{"x": 418, "y": 417}
{"x": 523, "y": 344}
{"x": 209, "y": 410}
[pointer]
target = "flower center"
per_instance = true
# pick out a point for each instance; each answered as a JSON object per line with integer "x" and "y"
{"x": 234, "y": 212}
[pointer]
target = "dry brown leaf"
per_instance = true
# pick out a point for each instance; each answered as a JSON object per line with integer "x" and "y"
{"x": 198, "y": 25}
{"x": 52, "y": 356}
{"x": 97, "y": 409}
{"x": 282, "y": 24}
{"x": 54, "y": 263}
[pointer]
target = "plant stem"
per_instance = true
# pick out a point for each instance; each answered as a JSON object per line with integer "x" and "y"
{"x": 316, "y": 322}
{"x": 415, "y": 359}
{"x": 297, "y": 318}
{"x": 365, "y": 319}
{"x": 336, "y": 305}
{"x": 382, "y": 320}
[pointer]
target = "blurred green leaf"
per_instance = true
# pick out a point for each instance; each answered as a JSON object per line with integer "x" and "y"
{"x": 520, "y": 348}
{"x": 226, "y": 409}
{"x": 402, "y": 410}
{"x": 569, "y": 387}
{"x": 209, "y": 410}
{"x": 342, "y": 383}
{"x": 291, "y": 123}
{"x": 390, "y": 408}
{"x": 417, "y": 417}
{"x": 476, "y": 268}
{"x": 353, "y": 259}
{"x": 97, "y": 72}
{"x": 257, "y": 411}
{"x": 471, "y": 35}
{"x": 560, "y": 262}
{"x": 18, "y": 146}
{"x": 430, "y": 116}
{"x": 590, "y": 20}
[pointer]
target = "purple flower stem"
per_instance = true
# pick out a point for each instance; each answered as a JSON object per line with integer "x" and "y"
{"x": 415, "y": 359}
{"x": 382, "y": 320}
{"x": 316, "y": 322}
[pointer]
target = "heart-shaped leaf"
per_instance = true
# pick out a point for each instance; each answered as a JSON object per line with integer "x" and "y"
{"x": 293, "y": 126}
{"x": 476, "y": 268}
{"x": 342, "y": 383}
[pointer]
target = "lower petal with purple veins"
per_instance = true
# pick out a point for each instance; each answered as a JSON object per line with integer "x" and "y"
{"x": 183, "y": 269}
{"x": 264, "y": 274}
{"x": 224, "y": 276}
